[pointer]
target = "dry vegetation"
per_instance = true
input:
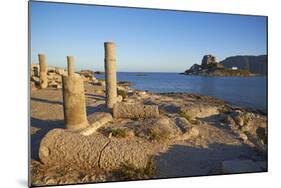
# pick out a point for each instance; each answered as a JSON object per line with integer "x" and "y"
{"x": 129, "y": 171}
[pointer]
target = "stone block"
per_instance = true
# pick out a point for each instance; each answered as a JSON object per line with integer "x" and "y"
{"x": 96, "y": 120}
{"x": 64, "y": 147}
{"x": 200, "y": 111}
{"x": 134, "y": 110}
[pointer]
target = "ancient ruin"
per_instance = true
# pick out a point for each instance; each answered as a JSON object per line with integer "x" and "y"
{"x": 110, "y": 74}
{"x": 70, "y": 65}
{"x": 74, "y": 106}
{"x": 137, "y": 130}
{"x": 43, "y": 71}
{"x": 208, "y": 59}
{"x": 134, "y": 110}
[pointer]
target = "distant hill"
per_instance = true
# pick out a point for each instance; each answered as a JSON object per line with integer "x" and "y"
{"x": 253, "y": 64}
{"x": 209, "y": 67}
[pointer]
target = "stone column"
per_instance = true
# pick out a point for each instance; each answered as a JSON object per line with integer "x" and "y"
{"x": 70, "y": 65}
{"x": 74, "y": 106}
{"x": 110, "y": 74}
{"x": 43, "y": 71}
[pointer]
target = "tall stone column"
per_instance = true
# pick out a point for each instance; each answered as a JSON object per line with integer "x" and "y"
{"x": 74, "y": 106}
{"x": 70, "y": 65}
{"x": 43, "y": 71}
{"x": 110, "y": 74}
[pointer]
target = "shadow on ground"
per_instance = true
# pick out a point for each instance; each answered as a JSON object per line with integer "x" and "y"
{"x": 185, "y": 161}
{"x": 216, "y": 121}
{"x": 43, "y": 126}
{"x": 46, "y": 101}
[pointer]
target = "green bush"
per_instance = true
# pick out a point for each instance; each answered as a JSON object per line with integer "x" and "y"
{"x": 159, "y": 135}
{"x": 123, "y": 93}
{"x": 120, "y": 133}
{"x": 185, "y": 115}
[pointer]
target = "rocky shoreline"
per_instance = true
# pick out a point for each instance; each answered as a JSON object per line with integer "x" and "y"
{"x": 192, "y": 135}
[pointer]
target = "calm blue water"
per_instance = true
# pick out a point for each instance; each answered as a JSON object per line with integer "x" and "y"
{"x": 242, "y": 91}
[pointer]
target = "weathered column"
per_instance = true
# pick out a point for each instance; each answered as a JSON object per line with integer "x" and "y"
{"x": 75, "y": 116}
{"x": 110, "y": 74}
{"x": 43, "y": 71}
{"x": 70, "y": 65}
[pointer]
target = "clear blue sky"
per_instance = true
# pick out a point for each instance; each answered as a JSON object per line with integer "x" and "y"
{"x": 147, "y": 40}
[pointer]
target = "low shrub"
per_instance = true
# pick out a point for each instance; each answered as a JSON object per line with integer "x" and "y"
{"x": 128, "y": 171}
{"x": 185, "y": 115}
{"x": 123, "y": 93}
{"x": 121, "y": 133}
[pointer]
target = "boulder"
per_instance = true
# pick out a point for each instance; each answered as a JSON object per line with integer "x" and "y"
{"x": 160, "y": 129}
{"x": 134, "y": 110}
{"x": 200, "y": 110}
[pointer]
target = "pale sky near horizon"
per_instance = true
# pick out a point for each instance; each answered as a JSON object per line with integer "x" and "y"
{"x": 146, "y": 40}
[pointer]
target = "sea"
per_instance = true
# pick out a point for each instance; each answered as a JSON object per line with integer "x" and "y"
{"x": 239, "y": 91}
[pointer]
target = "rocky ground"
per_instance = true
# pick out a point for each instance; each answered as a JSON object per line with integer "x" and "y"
{"x": 194, "y": 135}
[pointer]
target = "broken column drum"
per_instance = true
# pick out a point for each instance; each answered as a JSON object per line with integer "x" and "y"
{"x": 75, "y": 116}
{"x": 43, "y": 71}
{"x": 110, "y": 74}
